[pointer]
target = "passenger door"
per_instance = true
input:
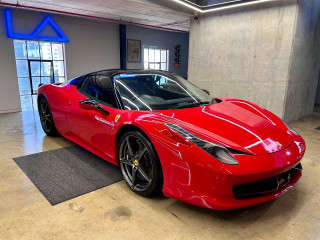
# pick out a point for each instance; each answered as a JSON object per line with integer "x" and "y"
{"x": 91, "y": 113}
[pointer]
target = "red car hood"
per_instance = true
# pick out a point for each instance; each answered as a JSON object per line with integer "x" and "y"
{"x": 228, "y": 124}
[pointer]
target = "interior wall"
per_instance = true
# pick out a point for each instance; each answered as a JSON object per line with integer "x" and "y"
{"x": 9, "y": 96}
{"x": 164, "y": 40}
{"x": 94, "y": 45}
{"x": 305, "y": 62}
{"x": 244, "y": 53}
{"x": 317, "y": 100}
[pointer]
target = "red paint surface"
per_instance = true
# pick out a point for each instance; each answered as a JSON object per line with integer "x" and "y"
{"x": 190, "y": 174}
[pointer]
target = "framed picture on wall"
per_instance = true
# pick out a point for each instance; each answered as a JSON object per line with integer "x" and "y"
{"x": 133, "y": 51}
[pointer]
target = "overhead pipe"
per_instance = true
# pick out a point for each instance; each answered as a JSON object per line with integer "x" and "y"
{"x": 89, "y": 16}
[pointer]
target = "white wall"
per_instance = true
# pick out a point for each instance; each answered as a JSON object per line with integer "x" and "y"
{"x": 9, "y": 96}
{"x": 94, "y": 45}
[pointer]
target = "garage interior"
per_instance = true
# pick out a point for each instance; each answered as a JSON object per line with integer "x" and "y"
{"x": 266, "y": 52}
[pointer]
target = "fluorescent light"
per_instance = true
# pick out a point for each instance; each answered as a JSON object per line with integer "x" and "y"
{"x": 223, "y": 3}
{"x": 220, "y": 5}
{"x": 189, "y": 5}
{"x": 236, "y": 5}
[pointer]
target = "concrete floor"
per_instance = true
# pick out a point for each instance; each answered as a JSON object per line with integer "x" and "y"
{"x": 114, "y": 212}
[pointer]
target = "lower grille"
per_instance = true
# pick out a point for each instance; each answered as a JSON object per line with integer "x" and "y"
{"x": 260, "y": 188}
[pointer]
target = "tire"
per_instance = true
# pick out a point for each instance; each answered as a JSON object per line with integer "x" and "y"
{"x": 140, "y": 165}
{"x": 46, "y": 118}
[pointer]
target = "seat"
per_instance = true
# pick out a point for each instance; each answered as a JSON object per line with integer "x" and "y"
{"x": 105, "y": 91}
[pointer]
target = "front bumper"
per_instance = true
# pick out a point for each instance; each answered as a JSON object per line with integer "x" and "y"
{"x": 267, "y": 186}
{"x": 192, "y": 176}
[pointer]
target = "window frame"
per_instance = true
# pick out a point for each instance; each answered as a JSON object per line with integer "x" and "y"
{"x": 29, "y": 47}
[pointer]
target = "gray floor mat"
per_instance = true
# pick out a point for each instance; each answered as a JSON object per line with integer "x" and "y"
{"x": 66, "y": 173}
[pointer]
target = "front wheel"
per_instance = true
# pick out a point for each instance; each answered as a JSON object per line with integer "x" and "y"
{"x": 139, "y": 164}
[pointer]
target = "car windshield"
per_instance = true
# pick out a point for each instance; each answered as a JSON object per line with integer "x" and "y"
{"x": 159, "y": 92}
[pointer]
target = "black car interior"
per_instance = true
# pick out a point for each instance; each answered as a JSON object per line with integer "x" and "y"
{"x": 99, "y": 87}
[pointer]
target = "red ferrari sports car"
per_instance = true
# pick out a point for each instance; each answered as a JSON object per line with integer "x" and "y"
{"x": 169, "y": 136}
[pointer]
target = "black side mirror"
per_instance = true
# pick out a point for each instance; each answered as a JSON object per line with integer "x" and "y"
{"x": 90, "y": 104}
{"x": 206, "y": 91}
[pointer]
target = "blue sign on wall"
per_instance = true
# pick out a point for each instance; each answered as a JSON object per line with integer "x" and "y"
{"x": 35, "y": 35}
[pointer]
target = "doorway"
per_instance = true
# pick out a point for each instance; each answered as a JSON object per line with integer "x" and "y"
{"x": 39, "y": 72}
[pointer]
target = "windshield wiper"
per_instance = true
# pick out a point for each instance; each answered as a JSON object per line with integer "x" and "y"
{"x": 195, "y": 104}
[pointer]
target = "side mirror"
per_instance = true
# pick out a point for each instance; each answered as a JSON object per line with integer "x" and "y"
{"x": 90, "y": 104}
{"x": 206, "y": 91}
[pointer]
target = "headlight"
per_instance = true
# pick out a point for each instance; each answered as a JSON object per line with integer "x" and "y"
{"x": 220, "y": 153}
{"x": 291, "y": 129}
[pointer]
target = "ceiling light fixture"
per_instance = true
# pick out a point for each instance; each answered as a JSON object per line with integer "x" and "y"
{"x": 220, "y": 6}
{"x": 189, "y": 5}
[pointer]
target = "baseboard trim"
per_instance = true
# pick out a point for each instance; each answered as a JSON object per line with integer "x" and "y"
{"x": 10, "y": 110}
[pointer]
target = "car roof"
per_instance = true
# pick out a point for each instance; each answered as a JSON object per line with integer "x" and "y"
{"x": 112, "y": 72}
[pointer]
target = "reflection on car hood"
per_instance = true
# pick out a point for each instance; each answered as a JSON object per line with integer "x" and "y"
{"x": 231, "y": 125}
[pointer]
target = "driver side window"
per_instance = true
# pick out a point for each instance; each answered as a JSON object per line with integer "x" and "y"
{"x": 99, "y": 87}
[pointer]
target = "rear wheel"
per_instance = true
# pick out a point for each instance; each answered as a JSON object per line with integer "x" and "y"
{"x": 46, "y": 118}
{"x": 139, "y": 164}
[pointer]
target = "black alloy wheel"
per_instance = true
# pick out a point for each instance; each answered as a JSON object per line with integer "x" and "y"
{"x": 46, "y": 118}
{"x": 139, "y": 164}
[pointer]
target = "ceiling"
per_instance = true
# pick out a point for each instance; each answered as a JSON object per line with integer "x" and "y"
{"x": 158, "y": 13}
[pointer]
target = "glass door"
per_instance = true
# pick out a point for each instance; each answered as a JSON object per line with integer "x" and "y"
{"x": 39, "y": 72}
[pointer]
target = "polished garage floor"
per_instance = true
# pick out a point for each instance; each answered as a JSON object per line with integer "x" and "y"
{"x": 114, "y": 212}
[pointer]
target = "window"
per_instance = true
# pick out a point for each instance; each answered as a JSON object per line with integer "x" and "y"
{"x": 99, "y": 87}
{"x": 36, "y": 65}
{"x": 156, "y": 59}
